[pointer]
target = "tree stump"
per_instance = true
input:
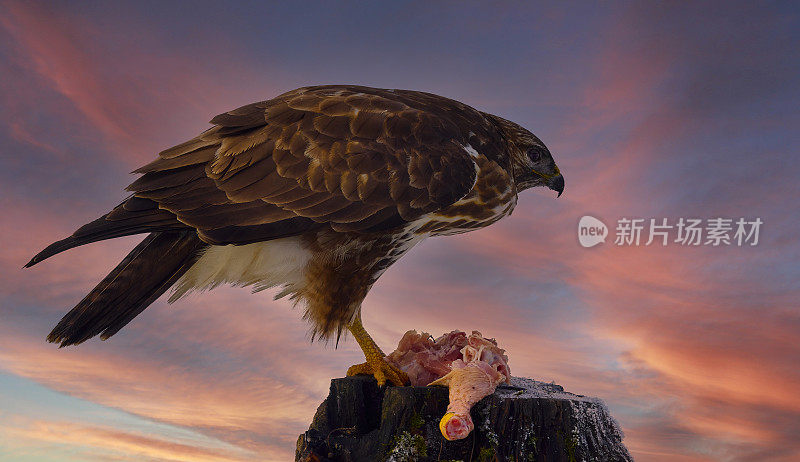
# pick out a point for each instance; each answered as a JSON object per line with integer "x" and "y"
{"x": 525, "y": 421}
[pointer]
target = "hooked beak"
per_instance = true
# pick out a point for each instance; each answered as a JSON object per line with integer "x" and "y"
{"x": 556, "y": 183}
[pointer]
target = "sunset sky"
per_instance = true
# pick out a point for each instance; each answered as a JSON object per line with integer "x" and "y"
{"x": 651, "y": 110}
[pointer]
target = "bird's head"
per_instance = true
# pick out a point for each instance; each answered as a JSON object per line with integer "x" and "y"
{"x": 531, "y": 161}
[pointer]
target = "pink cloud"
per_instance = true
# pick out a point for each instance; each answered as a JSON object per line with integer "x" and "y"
{"x": 133, "y": 113}
{"x": 238, "y": 367}
{"x": 252, "y": 408}
{"x": 101, "y": 443}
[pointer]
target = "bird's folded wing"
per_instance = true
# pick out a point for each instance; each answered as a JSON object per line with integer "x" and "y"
{"x": 324, "y": 156}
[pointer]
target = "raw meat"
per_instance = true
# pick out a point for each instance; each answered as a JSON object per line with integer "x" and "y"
{"x": 470, "y": 365}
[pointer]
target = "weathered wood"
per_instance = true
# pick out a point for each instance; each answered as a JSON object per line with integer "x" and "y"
{"x": 527, "y": 421}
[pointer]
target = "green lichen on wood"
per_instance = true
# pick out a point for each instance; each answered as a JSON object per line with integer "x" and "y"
{"x": 487, "y": 455}
{"x": 529, "y": 450}
{"x": 416, "y": 422}
{"x": 570, "y": 446}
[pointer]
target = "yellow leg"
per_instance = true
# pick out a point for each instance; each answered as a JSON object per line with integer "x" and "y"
{"x": 375, "y": 365}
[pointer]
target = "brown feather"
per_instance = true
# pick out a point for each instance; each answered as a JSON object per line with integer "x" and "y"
{"x": 164, "y": 179}
{"x": 266, "y": 188}
{"x": 281, "y": 114}
{"x": 367, "y": 125}
{"x": 246, "y": 214}
{"x": 305, "y": 202}
{"x": 354, "y": 212}
{"x": 397, "y": 127}
{"x": 258, "y": 233}
{"x": 335, "y": 107}
{"x": 293, "y": 194}
{"x": 185, "y": 148}
{"x": 247, "y": 176}
{"x": 243, "y": 118}
{"x": 201, "y": 156}
{"x": 305, "y": 102}
{"x": 323, "y": 209}
{"x": 146, "y": 273}
{"x": 316, "y": 176}
{"x": 367, "y": 223}
{"x": 335, "y": 127}
{"x": 349, "y": 184}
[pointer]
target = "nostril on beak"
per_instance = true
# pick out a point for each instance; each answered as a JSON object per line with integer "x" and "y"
{"x": 557, "y": 184}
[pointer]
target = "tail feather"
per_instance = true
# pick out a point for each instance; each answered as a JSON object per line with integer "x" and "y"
{"x": 143, "y": 275}
{"x": 134, "y": 216}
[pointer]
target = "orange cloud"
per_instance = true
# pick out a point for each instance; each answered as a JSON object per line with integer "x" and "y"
{"x": 110, "y": 444}
{"x": 261, "y": 405}
{"x": 670, "y": 345}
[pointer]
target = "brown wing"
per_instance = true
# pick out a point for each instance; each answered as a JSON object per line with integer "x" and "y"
{"x": 352, "y": 158}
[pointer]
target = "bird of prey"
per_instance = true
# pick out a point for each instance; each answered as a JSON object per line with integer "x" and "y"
{"x": 316, "y": 191}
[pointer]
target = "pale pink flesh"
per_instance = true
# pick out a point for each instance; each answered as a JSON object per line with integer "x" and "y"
{"x": 456, "y": 427}
{"x": 470, "y": 365}
{"x": 468, "y": 384}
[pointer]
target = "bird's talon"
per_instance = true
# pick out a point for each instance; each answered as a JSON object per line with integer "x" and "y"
{"x": 381, "y": 370}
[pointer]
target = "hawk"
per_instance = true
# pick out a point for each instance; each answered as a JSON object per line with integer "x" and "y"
{"x": 316, "y": 191}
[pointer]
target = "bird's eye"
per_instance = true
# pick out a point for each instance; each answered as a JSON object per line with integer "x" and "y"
{"x": 535, "y": 155}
